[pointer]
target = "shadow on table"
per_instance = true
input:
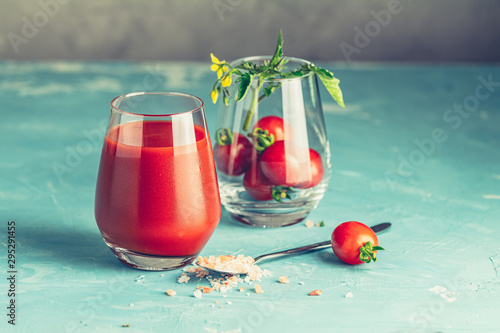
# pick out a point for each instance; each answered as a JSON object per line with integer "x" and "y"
{"x": 84, "y": 248}
{"x": 328, "y": 257}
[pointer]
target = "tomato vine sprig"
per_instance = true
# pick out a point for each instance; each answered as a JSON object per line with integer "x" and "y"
{"x": 251, "y": 76}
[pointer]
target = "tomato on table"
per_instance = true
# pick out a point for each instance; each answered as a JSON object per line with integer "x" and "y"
{"x": 355, "y": 243}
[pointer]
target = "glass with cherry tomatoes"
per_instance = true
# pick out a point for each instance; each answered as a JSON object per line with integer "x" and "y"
{"x": 271, "y": 149}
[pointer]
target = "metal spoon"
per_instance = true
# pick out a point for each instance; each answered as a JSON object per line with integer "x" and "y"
{"x": 378, "y": 229}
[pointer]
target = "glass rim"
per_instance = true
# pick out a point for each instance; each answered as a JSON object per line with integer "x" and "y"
{"x": 166, "y": 93}
{"x": 269, "y": 57}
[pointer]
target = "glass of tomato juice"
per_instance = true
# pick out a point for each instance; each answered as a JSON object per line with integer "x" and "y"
{"x": 157, "y": 200}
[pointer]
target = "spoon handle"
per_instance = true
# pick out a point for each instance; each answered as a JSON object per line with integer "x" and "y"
{"x": 379, "y": 228}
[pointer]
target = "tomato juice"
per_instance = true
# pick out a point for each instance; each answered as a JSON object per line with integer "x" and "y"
{"x": 156, "y": 196}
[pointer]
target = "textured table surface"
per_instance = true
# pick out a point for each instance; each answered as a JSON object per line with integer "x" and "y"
{"x": 416, "y": 145}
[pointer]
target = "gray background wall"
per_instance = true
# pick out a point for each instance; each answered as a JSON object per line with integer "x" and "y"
{"x": 422, "y": 30}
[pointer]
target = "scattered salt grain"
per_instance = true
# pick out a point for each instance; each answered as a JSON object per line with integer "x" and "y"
{"x": 284, "y": 279}
{"x": 349, "y": 295}
{"x": 229, "y": 302}
{"x": 131, "y": 305}
{"x": 267, "y": 273}
{"x": 316, "y": 292}
{"x": 197, "y": 294}
{"x": 162, "y": 275}
{"x": 184, "y": 278}
{"x": 258, "y": 289}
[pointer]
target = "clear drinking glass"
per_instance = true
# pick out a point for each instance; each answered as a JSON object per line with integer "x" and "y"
{"x": 157, "y": 202}
{"x": 296, "y": 164}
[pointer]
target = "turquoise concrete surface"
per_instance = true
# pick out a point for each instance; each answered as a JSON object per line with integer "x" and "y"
{"x": 416, "y": 145}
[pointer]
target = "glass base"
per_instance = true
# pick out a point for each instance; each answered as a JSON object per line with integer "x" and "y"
{"x": 270, "y": 215}
{"x": 149, "y": 262}
{"x": 268, "y": 220}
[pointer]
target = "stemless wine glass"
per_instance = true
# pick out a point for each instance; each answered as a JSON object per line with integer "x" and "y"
{"x": 157, "y": 201}
{"x": 273, "y": 182}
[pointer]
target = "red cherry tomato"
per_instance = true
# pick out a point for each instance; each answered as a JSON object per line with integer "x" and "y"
{"x": 316, "y": 170}
{"x": 275, "y": 125}
{"x": 256, "y": 184}
{"x": 233, "y": 159}
{"x": 280, "y": 165}
{"x": 350, "y": 239}
{"x": 285, "y": 164}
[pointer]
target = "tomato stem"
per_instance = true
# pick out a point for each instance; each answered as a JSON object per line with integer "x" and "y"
{"x": 253, "y": 106}
{"x": 224, "y": 136}
{"x": 367, "y": 252}
{"x": 281, "y": 192}
{"x": 262, "y": 139}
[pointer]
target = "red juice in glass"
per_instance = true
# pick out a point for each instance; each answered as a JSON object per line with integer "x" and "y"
{"x": 157, "y": 198}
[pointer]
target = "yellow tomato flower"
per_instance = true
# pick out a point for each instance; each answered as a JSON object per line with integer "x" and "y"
{"x": 215, "y": 63}
{"x": 226, "y": 80}
{"x": 214, "y": 94}
{"x": 218, "y": 66}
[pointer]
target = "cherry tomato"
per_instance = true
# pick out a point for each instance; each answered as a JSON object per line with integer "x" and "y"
{"x": 233, "y": 159}
{"x": 280, "y": 164}
{"x": 355, "y": 243}
{"x": 275, "y": 125}
{"x": 285, "y": 164}
{"x": 256, "y": 184}
{"x": 316, "y": 170}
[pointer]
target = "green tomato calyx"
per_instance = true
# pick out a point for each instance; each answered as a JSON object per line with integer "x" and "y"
{"x": 367, "y": 252}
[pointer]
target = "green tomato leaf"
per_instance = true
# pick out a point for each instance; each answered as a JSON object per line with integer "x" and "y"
{"x": 292, "y": 74}
{"x": 245, "y": 83}
{"x": 331, "y": 84}
{"x": 268, "y": 90}
{"x": 248, "y": 66}
{"x": 278, "y": 53}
